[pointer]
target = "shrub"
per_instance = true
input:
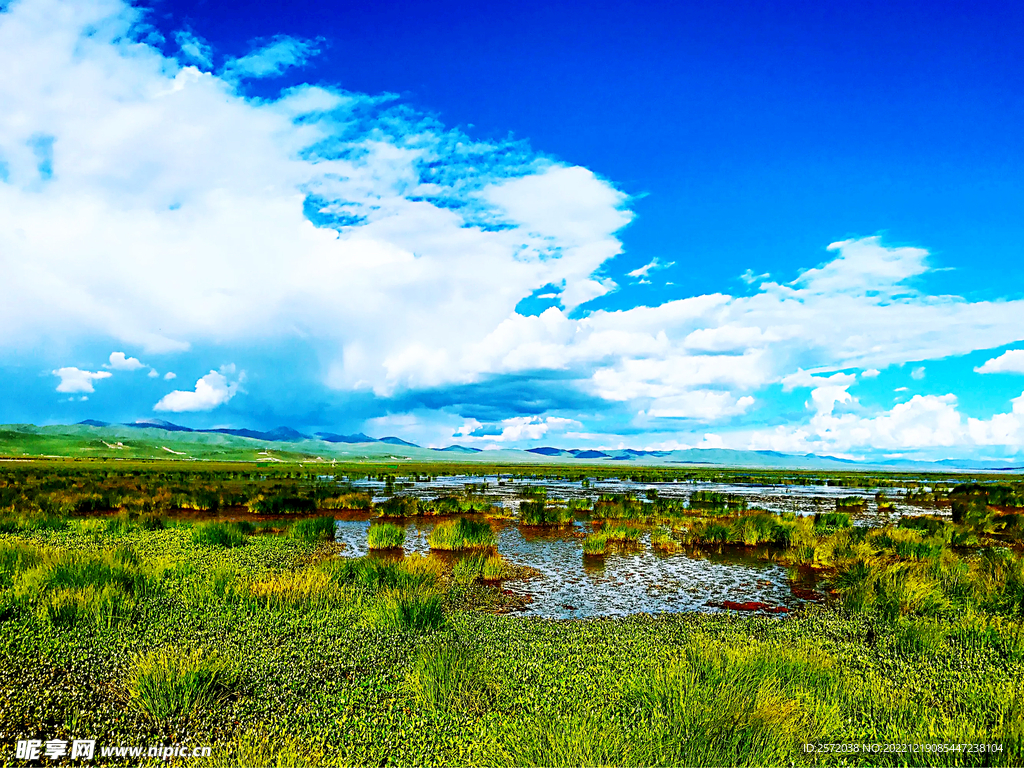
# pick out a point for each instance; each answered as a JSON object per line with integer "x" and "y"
{"x": 217, "y": 535}
{"x": 460, "y": 534}
{"x": 175, "y": 682}
{"x": 385, "y": 536}
{"x": 313, "y": 528}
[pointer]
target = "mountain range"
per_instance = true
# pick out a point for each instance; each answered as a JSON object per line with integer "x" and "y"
{"x": 156, "y": 438}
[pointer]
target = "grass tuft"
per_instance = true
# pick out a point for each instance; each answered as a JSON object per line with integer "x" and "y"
{"x": 385, "y": 536}
{"x": 461, "y": 534}
{"x": 175, "y": 682}
{"x": 417, "y": 608}
{"x": 313, "y": 528}
{"x": 217, "y": 535}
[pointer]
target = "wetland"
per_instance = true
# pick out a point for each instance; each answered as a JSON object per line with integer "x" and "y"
{"x": 303, "y": 616}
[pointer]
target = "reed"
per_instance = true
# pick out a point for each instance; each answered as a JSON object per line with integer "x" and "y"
{"x": 175, "y": 682}
{"x": 595, "y": 544}
{"x": 313, "y": 528}
{"x": 539, "y": 513}
{"x": 447, "y": 677}
{"x": 416, "y": 609}
{"x": 385, "y": 536}
{"x": 461, "y": 534}
{"x": 217, "y": 535}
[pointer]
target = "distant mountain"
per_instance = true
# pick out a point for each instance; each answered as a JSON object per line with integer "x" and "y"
{"x": 591, "y": 455}
{"x": 397, "y": 441}
{"x": 547, "y": 451}
{"x": 276, "y": 435}
{"x": 158, "y": 424}
{"x": 153, "y": 438}
{"x": 358, "y": 437}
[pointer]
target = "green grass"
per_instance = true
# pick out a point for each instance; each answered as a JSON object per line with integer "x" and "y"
{"x": 173, "y": 682}
{"x": 461, "y": 534}
{"x": 448, "y": 676}
{"x": 313, "y": 528}
{"x": 414, "y": 609}
{"x": 662, "y": 541}
{"x": 833, "y": 519}
{"x": 595, "y": 544}
{"x": 342, "y": 661}
{"x": 540, "y": 513}
{"x": 217, "y": 535}
{"x": 494, "y": 568}
{"x": 385, "y": 536}
{"x": 398, "y": 506}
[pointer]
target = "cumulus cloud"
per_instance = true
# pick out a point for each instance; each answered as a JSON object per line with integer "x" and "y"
{"x": 170, "y": 375}
{"x": 150, "y": 204}
{"x": 515, "y": 429}
{"x": 120, "y": 362}
{"x": 77, "y": 380}
{"x": 211, "y": 390}
{"x": 1011, "y": 361}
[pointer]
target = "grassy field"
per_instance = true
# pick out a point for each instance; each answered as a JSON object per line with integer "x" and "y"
{"x": 256, "y": 638}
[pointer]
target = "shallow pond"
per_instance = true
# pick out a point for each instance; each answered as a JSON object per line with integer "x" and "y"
{"x": 639, "y": 580}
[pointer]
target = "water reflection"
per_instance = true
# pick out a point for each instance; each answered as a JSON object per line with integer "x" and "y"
{"x": 636, "y": 580}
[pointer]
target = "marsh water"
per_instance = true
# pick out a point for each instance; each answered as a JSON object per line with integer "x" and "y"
{"x": 637, "y": 580}
{"x": 568, "y": 584}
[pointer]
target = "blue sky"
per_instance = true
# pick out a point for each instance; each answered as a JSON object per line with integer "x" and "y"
{"x": 789, "y": 226}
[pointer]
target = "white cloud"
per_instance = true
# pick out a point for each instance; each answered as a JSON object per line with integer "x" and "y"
{"x": 212, "y": 390}
{"x": 173, "y": 199}
{"x": 272, "y": 59}
{"x": 77, "y": 380}
{"x": 194, "y": 49}
{"x": 153, "y": 374}
{"x": 702, "y": 404}
{"x": 170, "y": 375}
{"x": 173, "y": 213}
{"x": 646, "y": 269}
{"x": 918, "y": 373}
{"x": 515, "y": 429}
{"x": 1011, "y": 361}
{"x": 870, "y": 373}
{"x": 119, "y": 362}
